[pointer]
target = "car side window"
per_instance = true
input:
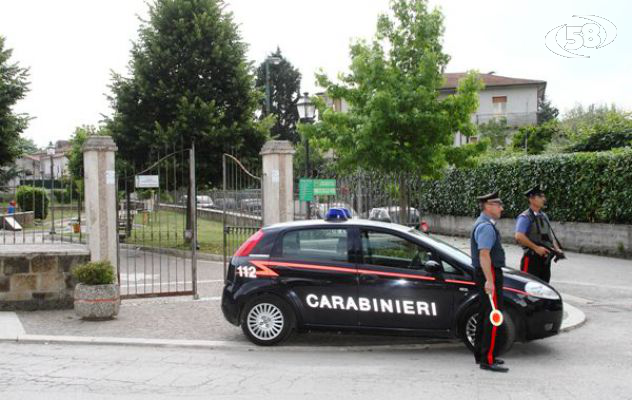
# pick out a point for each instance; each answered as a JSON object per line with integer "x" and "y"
{"x": 388, "y": 250}
{"x": 316, "y": 244}
{"x": 448, "y": 268}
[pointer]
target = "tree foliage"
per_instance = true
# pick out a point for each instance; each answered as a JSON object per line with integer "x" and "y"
{"x": 497, "y": 131}
{"x": 534, "y": 138}
{"x": 285, "y": 87}
{"x": 396, "y": 119}
{"x": 13, "y": 87}
{"x": 546, "y": 111}
{"x": 597, "y": 128}
{"x": 189, "y": 82}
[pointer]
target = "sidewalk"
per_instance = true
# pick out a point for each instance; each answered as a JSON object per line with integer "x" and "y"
{"x": 188, "y": 323}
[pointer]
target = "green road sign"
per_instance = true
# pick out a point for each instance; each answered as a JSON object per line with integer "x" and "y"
{"x": 306, "y": 190}
{"x": 324, "y": 187}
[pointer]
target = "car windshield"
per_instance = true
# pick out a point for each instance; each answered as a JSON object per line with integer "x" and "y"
{"x": 439, "y": 244}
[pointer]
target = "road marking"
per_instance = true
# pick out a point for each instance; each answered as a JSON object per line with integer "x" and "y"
{"x": 10, "y": 326}
{"x": 576, "y": 299}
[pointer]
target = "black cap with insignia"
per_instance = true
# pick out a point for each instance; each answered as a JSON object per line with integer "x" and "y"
{"x": 491, "y": 197}
{"x": 534, "y": 191}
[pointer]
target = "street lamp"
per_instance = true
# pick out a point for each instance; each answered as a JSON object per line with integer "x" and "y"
{"x": 51, "y": 152}
{"x": 274, "y": 61}
{"x": 306, "y": 113}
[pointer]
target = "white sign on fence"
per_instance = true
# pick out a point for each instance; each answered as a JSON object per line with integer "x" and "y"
{"x": 147, "y": 181}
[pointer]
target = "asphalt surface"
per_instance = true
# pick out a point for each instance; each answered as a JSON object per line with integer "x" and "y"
{"x": 587, "y": 363}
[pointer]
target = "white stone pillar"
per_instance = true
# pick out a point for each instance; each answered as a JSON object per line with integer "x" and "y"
{"x": 100, "y": 197}
{"x": 278, "y": 181}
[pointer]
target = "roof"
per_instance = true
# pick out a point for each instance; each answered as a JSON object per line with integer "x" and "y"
{"x": 490, "y": 80}
{"x": 348, "y": 222}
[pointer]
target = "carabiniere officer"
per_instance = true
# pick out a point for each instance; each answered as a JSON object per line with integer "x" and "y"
{"x": 535, "y": 235}
{"x": 488, "y": 259}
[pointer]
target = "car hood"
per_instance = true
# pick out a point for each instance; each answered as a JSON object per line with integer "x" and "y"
{"x": 521, "y": 278}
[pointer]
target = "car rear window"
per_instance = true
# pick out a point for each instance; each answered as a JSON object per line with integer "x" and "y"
{"x": 318, "y": 244}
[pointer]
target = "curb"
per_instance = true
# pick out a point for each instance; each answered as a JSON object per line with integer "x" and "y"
{"x": 576, "y": 318}
{"x": 211, "y": 344}
{"x": 14, "y": 332}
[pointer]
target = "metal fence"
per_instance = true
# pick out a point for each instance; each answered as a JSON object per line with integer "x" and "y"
{"x": 41, "y": 210}
{"x": 375, "y": 196}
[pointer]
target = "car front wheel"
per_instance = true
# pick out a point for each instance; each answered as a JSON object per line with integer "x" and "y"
{"x": 267, "y": 320}
{"x": 506, "y": 332}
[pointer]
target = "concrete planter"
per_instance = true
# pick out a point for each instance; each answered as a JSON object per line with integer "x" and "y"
{"x": 97, "y": 302}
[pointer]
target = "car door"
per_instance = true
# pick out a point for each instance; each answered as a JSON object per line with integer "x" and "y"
{"x": 315, "y": 266}
{"x": 394, "y": 288}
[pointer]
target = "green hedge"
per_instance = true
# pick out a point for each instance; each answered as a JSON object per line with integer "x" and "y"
{"x": 33, "y": 199}
{"x": 580, "y": 187}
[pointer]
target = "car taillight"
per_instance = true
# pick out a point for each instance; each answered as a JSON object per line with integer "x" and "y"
{"x": 249, "y": 244}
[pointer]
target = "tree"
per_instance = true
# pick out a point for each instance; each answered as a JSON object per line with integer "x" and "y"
{"x": 189, "y": 82}
{"x": 595, "y": 128}
{"x": 496, "y": 131}
{"x": 285, "y": 87}
{"x": 546, "y": 111}
{"x": 396, "y": 120}
{"x": 26, "y": 146}
{"x": 13, "y": 87}
{"x": 75, "y": 155}
{"x": 534, "y": 138}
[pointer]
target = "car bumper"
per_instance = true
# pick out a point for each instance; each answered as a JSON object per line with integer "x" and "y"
{"x": 543, "y": 318}
{"x": 230, "y": 308}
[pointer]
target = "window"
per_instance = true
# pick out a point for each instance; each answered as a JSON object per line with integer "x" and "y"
{"x": 500, "y": 104}
{"x": 389, "y": 250}
{"x": 316, "y": 244}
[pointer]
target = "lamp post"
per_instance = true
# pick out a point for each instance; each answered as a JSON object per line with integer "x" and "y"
{"x": 274, "y": 61}
{"x": 306, "y": 112}
{"x": 51, "y": 152}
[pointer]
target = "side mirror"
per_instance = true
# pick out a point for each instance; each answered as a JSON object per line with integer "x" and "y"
{"x": 433, "y": 267}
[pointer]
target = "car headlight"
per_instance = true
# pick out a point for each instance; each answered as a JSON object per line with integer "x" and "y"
{"x": 537, "y": 289}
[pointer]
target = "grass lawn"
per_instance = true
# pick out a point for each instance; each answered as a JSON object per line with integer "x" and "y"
{"x": 166, "y": 229}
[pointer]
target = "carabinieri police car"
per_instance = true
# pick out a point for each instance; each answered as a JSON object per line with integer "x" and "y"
{"x": 342, "y": 273}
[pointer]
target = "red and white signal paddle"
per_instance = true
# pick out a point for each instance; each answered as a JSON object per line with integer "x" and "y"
{"x": 496, "y": 317}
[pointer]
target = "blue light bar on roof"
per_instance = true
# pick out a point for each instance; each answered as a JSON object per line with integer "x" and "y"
{"x": 337, "y": 214}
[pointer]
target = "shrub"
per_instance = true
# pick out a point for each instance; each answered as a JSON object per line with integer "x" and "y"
{"x": 166, "y": 197}
{"x": 33, "y": 199}
{"x": 94, "y": 273}
{"x": 580, "y": 187}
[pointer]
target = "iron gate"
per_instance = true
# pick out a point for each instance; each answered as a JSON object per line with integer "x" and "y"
{"x": 241, "y": 202}
{"x": 157, "y": 228}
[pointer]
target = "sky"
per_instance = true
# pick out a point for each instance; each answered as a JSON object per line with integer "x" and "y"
{"x": 71, "y": 47}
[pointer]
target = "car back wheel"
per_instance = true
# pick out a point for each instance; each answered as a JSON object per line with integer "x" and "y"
{"x": 267, "y": 320}
{"x": 506, "y": 335}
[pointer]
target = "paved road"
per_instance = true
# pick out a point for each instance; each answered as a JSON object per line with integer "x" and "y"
{"x": 587, "y": 363}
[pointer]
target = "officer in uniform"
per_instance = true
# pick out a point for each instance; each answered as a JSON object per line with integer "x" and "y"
{"x": 535, "y": 235}
{"x": 488, "y": 258}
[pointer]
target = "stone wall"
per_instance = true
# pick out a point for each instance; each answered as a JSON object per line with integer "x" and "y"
{"x": 606, "y": 239}
{"x": 37, "y": 277}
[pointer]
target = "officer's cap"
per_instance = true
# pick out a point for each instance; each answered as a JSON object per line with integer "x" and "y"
{"x": 534, "y": 191}
{"x": 491, "y": 197}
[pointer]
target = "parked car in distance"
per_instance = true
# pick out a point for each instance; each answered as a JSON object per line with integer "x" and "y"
{"x": 394, "y": 215}
{"x": 251, "y": 205}
{"x": 204, "y": 201}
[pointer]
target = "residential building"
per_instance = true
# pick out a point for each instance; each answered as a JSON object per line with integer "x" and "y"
{"x": 37, "y": 165}
{"x": 514, "y": 99}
